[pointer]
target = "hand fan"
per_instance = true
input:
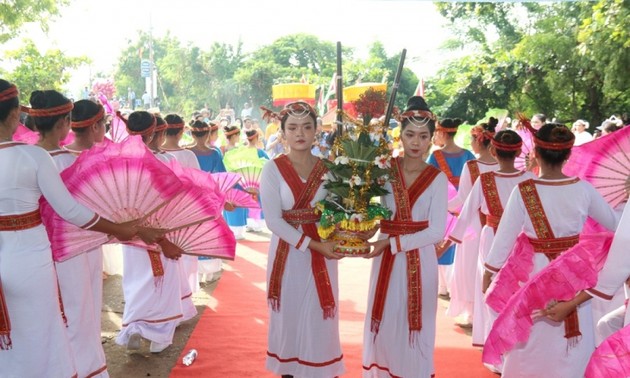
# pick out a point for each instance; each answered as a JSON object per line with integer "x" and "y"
{"x": 121, "y": 182}
{"x": 198, "y": 201}
{"x": 612, "y": 356}
{"x": 209, "y": 239}
{"x": 605, "y": 163}
{"x": 250, "y": 178}
{"x": 574, "y": 270}
{"x": 117, "y": 130}
{"x": 226, "y": 180}
{"x": 26, "y": 135}
{"x": 239, "y": 198}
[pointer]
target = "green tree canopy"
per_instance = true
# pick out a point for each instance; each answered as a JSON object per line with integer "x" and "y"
{"x": 15, "y": 13}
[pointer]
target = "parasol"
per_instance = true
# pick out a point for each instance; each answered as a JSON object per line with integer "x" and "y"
{"x": 121, "y": 182}
{"x": 605, "y": 163}
{"x": 612, "y": 356}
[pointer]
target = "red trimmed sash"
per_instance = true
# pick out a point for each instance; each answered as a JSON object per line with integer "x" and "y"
{"x": 491, "y": 195}
{"x": 545, "y": 234}
{"x": 404, "y": 201}
{"x": 304, "y": 194}
{"x": 473, "y": 168}
{"x": 441, "y": 160}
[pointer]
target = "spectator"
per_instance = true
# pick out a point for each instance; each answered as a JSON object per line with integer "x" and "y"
{"x": 146, "y": 100}
{"x": 131, "y": 98}
{"x": 247, "y": 110}
{"x": 581, "y": 134}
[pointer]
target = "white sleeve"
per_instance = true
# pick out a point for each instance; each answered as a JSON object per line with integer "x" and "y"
{"x": 469, "y": 215}
{"x": 616, "y": 269}
{"x": 271, "y": 199}
{"x": 56, "y": 193}
{"x": 465, "y": 186}
{"x": 437, "y": 220}
{"x": 510, "y": 227}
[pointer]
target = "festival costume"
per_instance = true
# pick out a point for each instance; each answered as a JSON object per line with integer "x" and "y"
{"x": 399, "y": 331}
{"x": 303, "y": 338}
{"x": 81, "y": 290}
{"x": 559, "y": 209}
{"x": 211, "y": 161}
{"x": 462, "y": 291}
{"x": 237, "y": 218}
{"x": 452, "y": 166}
{"x": 488, "y": 197}
{"x": 38, "y": 340}
{"x": 152, "y": 288}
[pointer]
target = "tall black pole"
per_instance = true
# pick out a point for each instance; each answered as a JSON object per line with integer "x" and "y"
{"x": 392, "y": 96}
{"x": 339, "y": 90}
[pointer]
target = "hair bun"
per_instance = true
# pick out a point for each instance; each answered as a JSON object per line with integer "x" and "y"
{"x": 417, "y": 103}
{"x": 37, "y": 99}
{"x": 457, "y": 122}
{"x": 493, "y": 122}
{"x": 561, "y": 133}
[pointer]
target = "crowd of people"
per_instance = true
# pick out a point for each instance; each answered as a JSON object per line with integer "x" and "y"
{"x": 460, "y": 220}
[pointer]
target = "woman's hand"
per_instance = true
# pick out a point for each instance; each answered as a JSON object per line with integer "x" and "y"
{"x": 150, "y": 235}
{"x": 228, "y": 206}
{"x": 170, "y": 250}
{"x": 487, "y": 280}
{"x": 560, "y": 310}
{"x": 125, "y": 231}
{"x": 377, "y": 248}
{"x": 325, "y": 248}
{"x": 441, "y": 248}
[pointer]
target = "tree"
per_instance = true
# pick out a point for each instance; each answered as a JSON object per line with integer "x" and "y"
{"x": 15, "y": 13}
{"x": 34, "y": 70}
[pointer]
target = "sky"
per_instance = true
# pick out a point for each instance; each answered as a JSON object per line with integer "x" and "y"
{"x": 102, "y": 29}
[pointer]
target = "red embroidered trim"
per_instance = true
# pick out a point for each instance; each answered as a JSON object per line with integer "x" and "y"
{"x": 19, "y": 222}
{"x": 383, "y": 368}
{"x": 154, "y": 321}
{"x": 90, "y": 121}
{"x": 302, "y": 362}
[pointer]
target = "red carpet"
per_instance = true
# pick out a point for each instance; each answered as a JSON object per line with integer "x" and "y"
{"x": 231, "y": 336}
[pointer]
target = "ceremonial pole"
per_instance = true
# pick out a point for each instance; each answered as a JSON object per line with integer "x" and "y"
{"x": 339, "y": 94}
{"x": 392, "y": 97}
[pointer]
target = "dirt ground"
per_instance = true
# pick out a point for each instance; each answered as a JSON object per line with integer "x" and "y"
{"x": 142, "y": 363}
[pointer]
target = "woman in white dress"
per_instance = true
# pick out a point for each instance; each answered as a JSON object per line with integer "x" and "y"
{"x": 551, "y": 212}
{"x": 489, "y": 196}
{"x": 467, "y": 252}
{"x": 80, "y": 280}
{"x": 302, "y": 284}
{"x": 33, "y": 339}
{"x": 399, "y": 332}
{"x": 151, "y": 279}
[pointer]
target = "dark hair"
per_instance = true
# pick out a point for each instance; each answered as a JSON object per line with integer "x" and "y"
{"x": 490, "y": 127}
{"x": 251, "y": 133}
{"x": 609, "y": 127}
{"x": 173, "y": 119}
{"x": 228, "y": 129}
{"x": 140, "y": 121}
{"x": 8, "y": 105}
{"x": 199, "y": 125}
{"x": 554, "y": 133}
{"x": 44, "y": 100}
{"x": 418, "y": 103}
{"x": 451, "y": 123}
{"x": 83, "y": 110}
{"x": 541, "y": 117}
{"x": 508, "y": 137}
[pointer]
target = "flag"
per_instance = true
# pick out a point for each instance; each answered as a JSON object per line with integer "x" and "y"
{"x": 420, "y": 88}
{"x": 332, "y": 87}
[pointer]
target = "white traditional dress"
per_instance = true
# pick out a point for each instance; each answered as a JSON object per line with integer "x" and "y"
{"x": 467, "y": 251}
{"x": 492, "y": 188}
{"x": 152, "y": 289}
{"x": 303, "y": 338}
{"x": 81, "y": 287}
{"x": 40, "y": 345}
{"x": 560, "y": 213}
{"x": 189, "y": 264}
{"x": 399, "y": 332}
